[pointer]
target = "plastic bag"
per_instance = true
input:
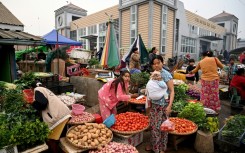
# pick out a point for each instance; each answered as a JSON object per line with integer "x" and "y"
{"x": 167, "y": 126}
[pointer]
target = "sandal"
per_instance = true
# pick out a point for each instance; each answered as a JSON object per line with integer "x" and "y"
{"x": 148, "y": 148}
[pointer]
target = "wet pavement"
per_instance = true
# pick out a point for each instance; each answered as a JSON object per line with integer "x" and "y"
{"x": 187, "y": 146}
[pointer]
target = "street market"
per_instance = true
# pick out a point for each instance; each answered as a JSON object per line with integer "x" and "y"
{"x": 98, "y": 91}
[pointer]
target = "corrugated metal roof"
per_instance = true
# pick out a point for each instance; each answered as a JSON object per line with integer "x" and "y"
{"x": 7, "y": 17}
{"x": 18, "y": 37}
{"x": 223, "y": 14}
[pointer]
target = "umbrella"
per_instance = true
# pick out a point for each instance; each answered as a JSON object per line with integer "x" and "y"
{"x": 110, "y": 55}
{"x": 144, "y": 55}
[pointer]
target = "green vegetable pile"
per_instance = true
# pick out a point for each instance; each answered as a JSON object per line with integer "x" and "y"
{"x": 26, "y": 81}
{"x": 195, "y": 113}
{"x": 234, "y": 128}
{"x": 20, "y": 124}
{"x": 180, "y": 97}
{"x": 140, "y": 79}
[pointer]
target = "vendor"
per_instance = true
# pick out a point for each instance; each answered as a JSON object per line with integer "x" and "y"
{"x": 41, "y": 55}
{"x": 238, "y": 82}
{"x": 113, "y": 92}
{"x": 134, "y": 61}
{"x": 54, "y": 112}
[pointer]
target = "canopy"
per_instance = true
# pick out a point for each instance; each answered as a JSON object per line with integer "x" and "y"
{"x": 19, "y": 53}
{"x": 237, "y": 50}
{"x": 51, "y": 38}
{"x": 144, "y": 55}
{"x": 110, "y": 54}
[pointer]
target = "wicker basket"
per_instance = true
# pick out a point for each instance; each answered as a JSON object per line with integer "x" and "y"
{"x": 84, "y": 147}
{"x": 129, "y": 132}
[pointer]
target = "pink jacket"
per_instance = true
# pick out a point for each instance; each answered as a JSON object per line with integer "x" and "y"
{"x": 108, "y": 96}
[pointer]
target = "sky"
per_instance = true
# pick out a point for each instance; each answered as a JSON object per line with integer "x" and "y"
{"x": 38, "y": 16}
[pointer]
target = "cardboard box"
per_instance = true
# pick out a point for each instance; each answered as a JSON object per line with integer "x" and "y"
{"x": 133, "y": 140}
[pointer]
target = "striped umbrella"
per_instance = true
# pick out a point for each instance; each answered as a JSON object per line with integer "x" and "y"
{"x": 110, "y": 55}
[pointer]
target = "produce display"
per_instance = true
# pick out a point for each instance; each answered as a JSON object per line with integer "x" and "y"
{"x": 7, "y": 85}
{"x": 213, "y": 124}
{"x": 90, "y": 135}
{"x": 233, "y": 129}
{"x": 179, "y": 105}
{"x": 114, "y": 147}
{"x": 83, "y": 118}
{"x": 183, "y": 126}
{"x": 130, "y": 121}
{"x": 195, "y": 113}
{"x": 42, "y": 74}
{"x": 194, "y": 91}
{"x": 67, "y": 100}
{"x": 138, "y": 101}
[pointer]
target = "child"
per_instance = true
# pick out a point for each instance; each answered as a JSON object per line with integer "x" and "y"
{"x": 113, "y": 92}
{"x": 191, "y": 78}
{"x": 156, "y": 88}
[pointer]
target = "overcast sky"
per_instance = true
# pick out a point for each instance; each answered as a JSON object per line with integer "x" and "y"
{"x": 38, "y": 15}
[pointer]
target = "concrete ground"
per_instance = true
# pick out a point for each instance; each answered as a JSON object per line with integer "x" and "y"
{"x": 187, "y": 146}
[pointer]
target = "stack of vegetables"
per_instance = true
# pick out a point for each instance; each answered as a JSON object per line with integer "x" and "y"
{"x": 183, "y": 126}
{"x": 140, "y": 100}
{"x": 194, "y": 91}
{"x": 233, "y": 130}
{"x": 180, "y": 97}
{"x": 67, "y": 100}
{"x": 212, "y": 124}
{"x": 83, "y": 118}
{"x": 90, "y": 135}
{"x": 114, "y": 147}
{"x": 130, "y": 121}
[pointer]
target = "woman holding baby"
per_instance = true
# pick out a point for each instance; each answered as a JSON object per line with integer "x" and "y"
{"x": 160, "y": 109}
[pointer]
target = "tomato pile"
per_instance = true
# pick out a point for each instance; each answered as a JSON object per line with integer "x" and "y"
{"x": 183, "y": 126}
{"x": 139, "y": 101}
{"x": 130, "y": 121}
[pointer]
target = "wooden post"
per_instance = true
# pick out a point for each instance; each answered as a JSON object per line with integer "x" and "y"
{"x": 204, "y": 142}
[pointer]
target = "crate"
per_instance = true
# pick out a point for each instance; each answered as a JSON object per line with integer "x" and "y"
{"x": 28, "y": 95}
{"x": 232, "y": 141}
{"x": 134, "y": 139}
{"x": 65, "y": 87}
{"x": 9, "y": 150}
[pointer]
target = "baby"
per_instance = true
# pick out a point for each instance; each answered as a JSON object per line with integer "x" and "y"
{"x": 156, "y": 88}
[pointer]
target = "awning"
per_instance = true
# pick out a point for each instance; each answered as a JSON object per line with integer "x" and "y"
{"x": 18, "y": 38}
{"x": 89, "y": 37}
{"x": 211, "y": 38}
{"x": 237, "y": 50}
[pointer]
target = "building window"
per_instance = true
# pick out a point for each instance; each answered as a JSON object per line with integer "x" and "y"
{"x": 177, "y": 34}
{"x": 234, "y": 28}
{"x": 75, "y": 18}
{"x": 133, "y": 23}
{"x": 73, "y": 35}
{"x": 188, "y": 45}
{"x": 192, "y": 29}
{"x": 92, "y": 30}
{"x": 221, "y": 24}
{"x": 204, "y": 32}
{"x": 101, "y": 41}
{"x": 82, "y": 32}
{"x": 164, "y": 28}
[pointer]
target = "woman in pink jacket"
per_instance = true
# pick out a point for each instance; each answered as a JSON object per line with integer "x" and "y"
{"x": 112, "y": 92}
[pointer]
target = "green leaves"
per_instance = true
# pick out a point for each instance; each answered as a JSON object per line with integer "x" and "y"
{"x": 140, "y": 79}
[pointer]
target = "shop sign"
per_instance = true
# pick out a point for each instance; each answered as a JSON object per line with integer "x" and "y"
{"x": 205, "y": 23}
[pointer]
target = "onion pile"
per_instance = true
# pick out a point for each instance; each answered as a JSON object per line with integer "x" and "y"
{"x": 114, "y": 147}
{"x": 84, "y": 117}
{"x": 67, "y": 100}
{"x": 194, "y": 91}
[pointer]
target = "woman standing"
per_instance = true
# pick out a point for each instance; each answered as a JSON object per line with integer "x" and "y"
{"x": 209, "y": 80}
{"x": 113, "y": 92}
{"x": 152, "y": 54}
{"x": 238, "y": 82}
{"x": 160, "y": 109}
{"x": 135, "y": 59}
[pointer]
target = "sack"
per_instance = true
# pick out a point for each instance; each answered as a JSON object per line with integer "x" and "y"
{"x": 154, "y": 91}
{"x": 167, "y": 126}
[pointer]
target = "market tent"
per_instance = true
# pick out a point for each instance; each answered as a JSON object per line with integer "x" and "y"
{"x": 110, "y": 54}
{"x": 19, "y": 53}
{"x": 144, "y": 55}
{"x": 51, "y": 38}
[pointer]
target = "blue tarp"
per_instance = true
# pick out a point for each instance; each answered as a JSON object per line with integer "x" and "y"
{"x": 51, "y": 38}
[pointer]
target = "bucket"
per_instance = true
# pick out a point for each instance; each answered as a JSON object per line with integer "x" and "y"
{"x": 77, "y": 109}
{"x": 109, "y": 121}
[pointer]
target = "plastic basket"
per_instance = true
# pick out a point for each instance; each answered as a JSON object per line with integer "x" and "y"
{"x": 232, "y": 141}
{"x": 109, "y": 121}
{"x": 77, "y": 109}
{"x": 28, "y": 95}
